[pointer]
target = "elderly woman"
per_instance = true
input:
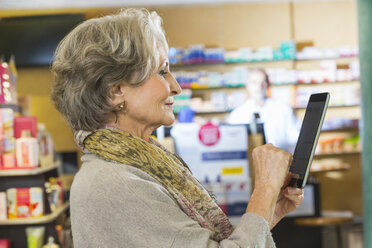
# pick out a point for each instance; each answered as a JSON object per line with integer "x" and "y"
{"x": 114, "y": 87}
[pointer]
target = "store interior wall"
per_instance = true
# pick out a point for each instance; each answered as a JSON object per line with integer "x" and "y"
{"x": 230, "y": 26}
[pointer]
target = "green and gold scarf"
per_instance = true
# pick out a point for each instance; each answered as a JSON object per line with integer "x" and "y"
{"x": 168, "y": 169}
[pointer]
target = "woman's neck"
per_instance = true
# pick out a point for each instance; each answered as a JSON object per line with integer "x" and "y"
{"x": 137, "y": 130}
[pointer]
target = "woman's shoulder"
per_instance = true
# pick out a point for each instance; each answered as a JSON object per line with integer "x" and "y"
{"x": 97, "y": 175}
{"x": 100, "y": 170}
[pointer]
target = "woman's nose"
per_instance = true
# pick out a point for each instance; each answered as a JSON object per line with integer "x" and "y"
{"x": 175, "y": 88}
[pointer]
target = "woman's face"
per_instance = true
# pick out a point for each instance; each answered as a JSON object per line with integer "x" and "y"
{"x": 151, "y": 104}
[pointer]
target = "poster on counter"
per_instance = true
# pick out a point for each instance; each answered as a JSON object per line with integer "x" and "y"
{"x": 213, "y": 151}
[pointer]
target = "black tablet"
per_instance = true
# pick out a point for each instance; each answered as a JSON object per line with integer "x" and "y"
{"x": 308, "y": 139}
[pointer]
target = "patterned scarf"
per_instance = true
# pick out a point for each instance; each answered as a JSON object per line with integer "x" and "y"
{"x": 166, "y": 167}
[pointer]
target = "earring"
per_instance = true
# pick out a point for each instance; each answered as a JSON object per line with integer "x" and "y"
{"x": 121, "y": 106}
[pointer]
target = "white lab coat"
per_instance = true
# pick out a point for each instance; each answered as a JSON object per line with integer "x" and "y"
{"x": 281, "y": 126}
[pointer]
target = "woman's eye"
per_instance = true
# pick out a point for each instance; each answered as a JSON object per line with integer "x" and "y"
{"x": 163, "y": 72}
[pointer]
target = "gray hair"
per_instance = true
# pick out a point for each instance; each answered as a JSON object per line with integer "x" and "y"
{"x": 99, "y": 54}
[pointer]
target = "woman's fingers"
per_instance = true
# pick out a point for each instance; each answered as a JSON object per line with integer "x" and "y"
{"x": 293, "y": 191}
{"x": 294, "y": 194}
{"x": 295, "y": 198}
{"x": 271, "y": 166}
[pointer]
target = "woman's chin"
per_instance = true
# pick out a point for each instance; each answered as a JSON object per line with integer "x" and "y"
{"x": 169, "y": 119}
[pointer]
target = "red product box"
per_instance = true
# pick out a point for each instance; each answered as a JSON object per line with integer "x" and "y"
{"x": 23, "y": 202}
{"x": 4, "y": 243}
{"x": 25, "y": 123}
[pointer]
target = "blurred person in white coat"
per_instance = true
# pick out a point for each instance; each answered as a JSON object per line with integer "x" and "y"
{"x": 281, "y": 126}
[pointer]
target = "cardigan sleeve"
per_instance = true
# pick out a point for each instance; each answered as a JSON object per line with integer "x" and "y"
{"x": 121, "y": 206}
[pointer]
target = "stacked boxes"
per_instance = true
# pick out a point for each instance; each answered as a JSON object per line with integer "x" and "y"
{"x": 7, "y": 140}
{"x": 25, "y": 202}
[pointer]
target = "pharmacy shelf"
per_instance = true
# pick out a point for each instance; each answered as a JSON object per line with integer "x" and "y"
{"x": 322, "y": 221}
{"x": 296, "y": 109}
{"x": 337, "y": 154}
{"x": 214, "y": 88}
{"x": 210, "y": 112}
{"x": 33, "y": 221}
{"x": 338, "y": 59}
{"x": 340, "y": 167}
{"x": 332, "y": 106}
{"x": 241, "y": 86}
{"x": 14, "y": 107}
{"x": 310, "y": 64}
{"x": 28, "y": 172}
{"x": 315, "y": 84}
{"x": 344, "y": 129}
{"x": 227, "y": 67}
{"x": 181, "y": 65}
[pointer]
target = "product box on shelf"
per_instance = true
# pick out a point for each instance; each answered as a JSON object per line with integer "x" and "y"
{"x": 7, "y": 141}
{"x": 25, "y": 202}
{"x": 6, "y": 123}
{"x": 4, "y": 243}
{"x": 9, "y": 161}
{"x": 27, "y": 150}
{"x": 3, "y": 209}
{"x": 338, "y": 143}
{"x": 25, "y": 123}
{"x": 312, "y": 52}
{"x": 328, "y": 164}
{"x": 22, "y": 145}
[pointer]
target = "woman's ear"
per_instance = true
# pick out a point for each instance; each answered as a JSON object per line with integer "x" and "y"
{"x": 117, "y": 94}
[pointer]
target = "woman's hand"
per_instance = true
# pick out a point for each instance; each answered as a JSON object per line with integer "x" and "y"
{"x": 271, "y": 166}
{"x": 271, "y": 169}
{"x": 288, "y": 200}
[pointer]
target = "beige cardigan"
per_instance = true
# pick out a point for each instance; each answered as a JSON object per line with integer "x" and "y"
{"x": 114, "y": 205}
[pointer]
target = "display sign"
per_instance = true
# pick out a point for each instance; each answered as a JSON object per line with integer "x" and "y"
{"x": 211, "y": 151}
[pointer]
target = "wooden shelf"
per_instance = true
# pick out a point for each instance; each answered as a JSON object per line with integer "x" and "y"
{"x": 323, "y": 221}
{"x": 33, "y": 221}
{"x": 331, "y": 106}
{"x": 337, "y": 154}
{"x": 28, "y": 172}
{"x": 14, "y": 107}
{"x": 339, "y": 59}
{"x": 344, "y": 129}
{"x": 341, "y": 167}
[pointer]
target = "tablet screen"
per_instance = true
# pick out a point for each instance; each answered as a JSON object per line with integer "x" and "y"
{"x": 308, "y": 138}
